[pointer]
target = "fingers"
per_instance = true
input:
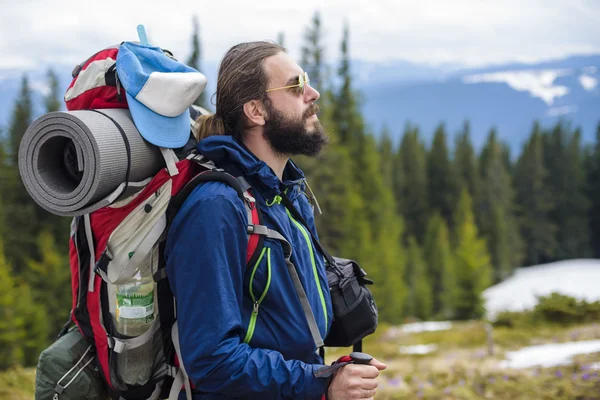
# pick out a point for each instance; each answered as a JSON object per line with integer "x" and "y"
{"x": 368, "y": 394}
{"x": 369, "y": 384}
{"x": 378, "y": 364}
{"x": 364, "y": 371}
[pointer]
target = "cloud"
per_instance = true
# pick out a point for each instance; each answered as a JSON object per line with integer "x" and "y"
{"x": 466, "y": 32}
{"x": 588, "y": 82}
{"x": 563, "y": 110}
{"x": 538, "y": 83}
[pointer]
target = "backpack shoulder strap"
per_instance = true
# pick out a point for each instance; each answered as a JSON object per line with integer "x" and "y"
{"x": 255, "y": 241}
{"x": 243, "y": 190}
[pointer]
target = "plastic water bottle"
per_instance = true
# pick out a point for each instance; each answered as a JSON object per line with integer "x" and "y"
{"x": 135, "y": 313}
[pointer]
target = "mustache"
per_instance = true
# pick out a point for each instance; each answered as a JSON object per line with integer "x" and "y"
{"x": 312, "y": 109}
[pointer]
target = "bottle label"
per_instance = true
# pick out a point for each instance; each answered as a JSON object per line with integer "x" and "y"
{"x": 132, "y": 306}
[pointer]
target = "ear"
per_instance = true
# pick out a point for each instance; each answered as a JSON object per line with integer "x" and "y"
{"x": 255, "y": 113}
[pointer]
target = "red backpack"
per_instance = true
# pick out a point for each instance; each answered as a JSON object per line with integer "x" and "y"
{"x": 122, "y": 302}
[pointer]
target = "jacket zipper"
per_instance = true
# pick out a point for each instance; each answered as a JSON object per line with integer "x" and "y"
{"x": 312, "y": 259}
{"x": 254, "y": 316}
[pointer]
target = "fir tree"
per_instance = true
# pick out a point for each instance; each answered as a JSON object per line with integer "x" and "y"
{"x": 21, "y": 119}
{"x": 313, "y": 53}
{"x": 34, "y": 321}
{"x": 380, "y": 251}
{"x": 281, "y": 39}
{"x": 440, "y": 266}
{"x": 593, "y": 191}
{"x": 52, "y": 100}
{"x": 467, "y": 169}
{"x": 413, "y": 194}
{"x": 498, "y": 222}
{"x": 420, "y": 302}
{"x": 535, "y": 202}
{"x": 563, "y": 160}
{"x": 195, "y": 58}
{"x": 441, "y": 178}
{"x": 348, "y": 122}
{"x": 12, "y": 331}
{"x": 386, "y": 155}
{"x": 472, "y": 263}
{"x": 50, "y": 275}
{"x": 21, "y": 213}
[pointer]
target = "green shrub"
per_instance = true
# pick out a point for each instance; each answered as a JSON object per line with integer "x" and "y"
{"x": 560, "y": 309}
{"x": 555, "y": 308}
{"x": 514, "y": 319}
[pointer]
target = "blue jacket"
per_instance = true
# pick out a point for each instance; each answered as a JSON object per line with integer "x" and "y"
{"x": 224, "y": 351}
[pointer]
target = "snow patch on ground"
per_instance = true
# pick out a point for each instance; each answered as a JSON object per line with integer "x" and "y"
{"x": 429, "y": 326}
{"x": 575, "y": 278}
{"x": 418, "y": 349}
{"x": 549, "y": 355}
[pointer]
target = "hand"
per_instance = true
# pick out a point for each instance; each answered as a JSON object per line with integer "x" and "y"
{"x": 354, "y": 381}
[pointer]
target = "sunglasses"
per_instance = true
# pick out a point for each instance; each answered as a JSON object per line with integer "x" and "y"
{"x": 301, "y": 85}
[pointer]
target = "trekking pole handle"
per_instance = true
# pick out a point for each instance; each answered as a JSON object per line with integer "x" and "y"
{"x": 360, "y": 358}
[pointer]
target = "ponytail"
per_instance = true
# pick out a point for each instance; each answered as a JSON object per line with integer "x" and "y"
{"x": 209, "y": 125}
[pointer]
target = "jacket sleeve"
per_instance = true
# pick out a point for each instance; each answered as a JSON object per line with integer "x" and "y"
{"x": 206, "y": 249}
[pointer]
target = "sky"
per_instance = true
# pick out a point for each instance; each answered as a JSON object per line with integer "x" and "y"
{"x": 473, "y": 33}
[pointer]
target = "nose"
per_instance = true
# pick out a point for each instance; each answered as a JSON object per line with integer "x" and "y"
{"x": 311, "y": 94}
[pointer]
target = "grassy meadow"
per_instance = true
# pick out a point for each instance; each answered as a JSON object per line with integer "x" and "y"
{"x": 458, "y": 365}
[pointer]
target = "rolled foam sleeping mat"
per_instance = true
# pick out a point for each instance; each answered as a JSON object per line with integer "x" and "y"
{"x": 76, "y": 162}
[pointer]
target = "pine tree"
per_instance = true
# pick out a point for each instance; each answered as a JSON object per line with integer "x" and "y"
{"x": 472, "y": 263}
{"x": 281, "y": 39}
{"x": 535, "y": 202}
{"x": 420, "y": 302}
{"x": 20, "y": 211}
{"x": 50, "y": 275}
{"x": 387, "y": 257}
{"x": 566, "y": 180}
{"x": 467, "y": 169}
{"x": 440, "y": 266}
{"x": 506, "y": 157}
{"x": 382, "y": 253}
{"x": 4, "y": 181}
{"x": 386, "y": 155}
{"x": 498, "y": 222}
{"x": 21, "y": 119}
{"x": 12, "y": 331}
{"x": 413, "y": 194}
{"x": 312, "y": 53}
{"x": 441, "y": 178}
{"x": 34, "y": 321}
{"x": 52, "y": 100}
{"x": 348, "y": 123}
{"x": 593, "y": 190}
{"x": 195, "y": 58}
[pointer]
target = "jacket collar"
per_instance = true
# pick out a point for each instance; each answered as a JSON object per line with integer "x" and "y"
{"x": 237, "y": 159}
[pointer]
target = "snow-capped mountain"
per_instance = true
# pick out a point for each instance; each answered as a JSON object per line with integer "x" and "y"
{"x": 508, "y": 97}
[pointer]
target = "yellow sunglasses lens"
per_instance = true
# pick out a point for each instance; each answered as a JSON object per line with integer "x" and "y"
{"x": 303, "y": 81}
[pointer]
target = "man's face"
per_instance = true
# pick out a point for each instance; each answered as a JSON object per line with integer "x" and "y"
{"x": 292, "y": 126}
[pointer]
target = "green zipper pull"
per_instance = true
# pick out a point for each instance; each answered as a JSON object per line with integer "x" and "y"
{"x": 255, "y": 309}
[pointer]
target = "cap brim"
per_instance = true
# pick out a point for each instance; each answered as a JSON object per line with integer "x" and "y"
{"x": 168, "y": 132}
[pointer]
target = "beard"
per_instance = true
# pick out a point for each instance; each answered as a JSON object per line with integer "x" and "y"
{"x": 290, "y": 136}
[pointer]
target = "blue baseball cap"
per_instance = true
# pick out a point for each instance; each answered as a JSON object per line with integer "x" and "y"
{"x": 159, "y": 92}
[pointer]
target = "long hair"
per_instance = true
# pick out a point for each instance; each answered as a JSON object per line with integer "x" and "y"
{"x": 241, "y": 78}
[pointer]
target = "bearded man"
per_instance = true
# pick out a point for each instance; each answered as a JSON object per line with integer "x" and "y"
{"x": 242, "y": 324}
